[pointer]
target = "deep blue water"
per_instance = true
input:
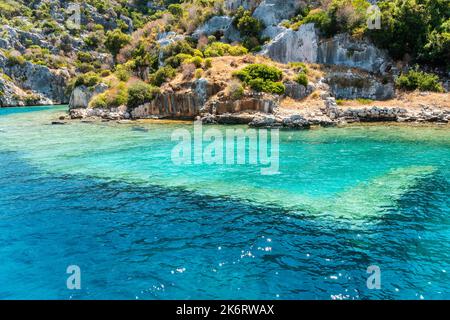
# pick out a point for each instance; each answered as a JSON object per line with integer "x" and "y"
{"x": 139, "y": 241}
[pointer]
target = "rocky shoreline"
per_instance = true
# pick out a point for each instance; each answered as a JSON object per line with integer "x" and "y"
{"x": 330, "y": 115}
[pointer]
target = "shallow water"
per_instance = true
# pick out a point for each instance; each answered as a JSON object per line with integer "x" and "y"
{"x": 107, "y": 197}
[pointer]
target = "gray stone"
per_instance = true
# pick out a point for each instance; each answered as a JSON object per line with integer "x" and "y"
{"x": 290, "y": 45}
{"x": 214, "y": 25}
{"x": 272, "y": 12}
{"x": 82, "y": 95}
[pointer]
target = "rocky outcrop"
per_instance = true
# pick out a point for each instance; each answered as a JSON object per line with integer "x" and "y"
{"x": 344, "y": 50}
{"x": 352, "y": 85}
{"x": 48, "y": 84}
{"x": 272, "y": 12}
{"x": 82, "y": 95}
{"x": 108, "y": 114}
{"x": 305, "y": 45}
{"x": 10, "y": 94}
{"x": 274, "y": 121}
{"x": 215, "y": 25}
{"x": 14, "y": 38}
{"x": 289, "y": 45}
{"x": 297, "y": 91}
{"x": 184, "y": 102}
{"x": 374, "y": 113}
{"x": 232, "y": 5}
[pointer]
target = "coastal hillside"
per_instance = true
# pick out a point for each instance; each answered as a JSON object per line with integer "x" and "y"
{"x": 268, "y": 62}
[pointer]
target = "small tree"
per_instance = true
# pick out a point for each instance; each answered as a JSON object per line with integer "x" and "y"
{"x": 116, "y": 40}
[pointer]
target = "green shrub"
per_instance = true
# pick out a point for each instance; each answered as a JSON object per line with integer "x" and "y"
{"x": 246, "y": 24}
{"x": 208, "y": 63}
{"x": 99, "y": 101}
{"x": 419, "y": 28}
{"x": 416, "y": 79}
{"x": 89, "y": 79}
{"x": 261, "y": 85}
{"x": 302, "y": 79}
{"x": 122, "y": 72}
{"x": 140, "y": 93}
{"x": 198, "y": 73}
{"x": 298, "y": 66}
{"x": 84, "y": 56}
{"x": 176, "y": 48}
{"x": 219, "y": 49}
{"x": 116, "y": 40}
{"x": 235, "y": 90}
{"x": 162, "y": 75}
{"x": 262, "y": 71}
{"x": 15, "y": 58}
{"x": 176, "y": 9}
{"x": 196, "y": 61}
{"x": 321, "y": 19}
{"x": 262, "y": 78}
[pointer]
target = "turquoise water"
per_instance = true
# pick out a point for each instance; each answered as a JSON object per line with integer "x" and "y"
{"x": 108, "y": 198}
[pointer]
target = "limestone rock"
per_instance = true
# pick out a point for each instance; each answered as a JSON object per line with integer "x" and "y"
{"x": 350, "y": 85}
{"x": 272, "y": 12}
{"x": 346, "y": 51}
{"x": 214, "y": 25}
{"x": 290, "y": 45}
{"x": 82, "y": 95}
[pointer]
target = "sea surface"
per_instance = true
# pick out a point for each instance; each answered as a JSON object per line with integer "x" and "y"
{"x": 108, "y": 198}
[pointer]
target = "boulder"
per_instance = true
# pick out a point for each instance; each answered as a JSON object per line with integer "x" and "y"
{"x": 295, "y": 90}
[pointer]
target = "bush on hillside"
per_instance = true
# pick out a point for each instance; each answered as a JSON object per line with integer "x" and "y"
{"x": 89, "y": 79}
{"x": 116, "y": 40}
{"x": 140, "y": 93}
{"x": 262, "y": 78}
{"x": 423, "y": 81}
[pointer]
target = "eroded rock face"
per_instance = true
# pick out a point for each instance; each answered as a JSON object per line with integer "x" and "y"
{"x": 289, "y": 45}
{"x": 82, "y": 95}
{"x": 305, "y": 45}
{"x": 183, "y": 103}
{"x": 9, "y": 94}
{"x": 246, "y": 4}
{"x": 348, "y": 85}
{"x": 346, "y": 51}
{"x": 272, "y": 12}
{"x": 49, "y": 84}
{"x": 214, "y": 25}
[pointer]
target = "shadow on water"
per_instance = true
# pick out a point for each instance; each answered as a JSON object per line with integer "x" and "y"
{"x": 157, "y": 243}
